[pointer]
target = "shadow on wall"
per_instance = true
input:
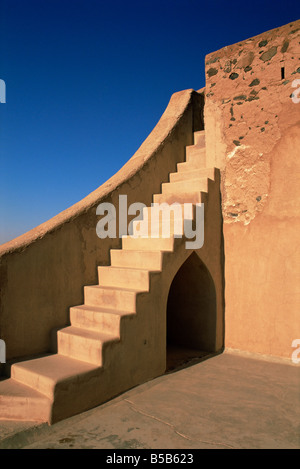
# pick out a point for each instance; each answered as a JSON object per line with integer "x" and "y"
{"x": 191, "y": 314}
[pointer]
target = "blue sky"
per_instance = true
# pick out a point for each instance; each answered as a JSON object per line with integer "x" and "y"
{"x": 87, "y": 80}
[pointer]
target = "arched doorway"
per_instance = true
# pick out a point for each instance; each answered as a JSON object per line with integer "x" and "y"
{"x": 191, "y": 314}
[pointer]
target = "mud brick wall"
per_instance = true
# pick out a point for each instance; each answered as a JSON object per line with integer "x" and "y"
{"x": 253, "y": 134}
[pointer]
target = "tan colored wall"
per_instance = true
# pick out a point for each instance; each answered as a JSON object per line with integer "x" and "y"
{"x": 253, "y": 135}
{"x": 42, "y": 273}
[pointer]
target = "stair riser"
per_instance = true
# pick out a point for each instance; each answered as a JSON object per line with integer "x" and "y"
{"x": 112, "y": 299}
{"x": 196, "y": 159}
{"x": 190, "y": 165}
{"x": 195, "y": 153}
{"x": 157, "y": 230}
{"x": 194, "y": 198}
{"x": 161, "y": 212}
{"x": 185, "y": 186}
{"x": 80, "y": 348}
{"x": 147, "y": 244}
{"x": 170, "y": 212}
{"x": 123, "y": 278}
{"x": 199, "y": 139}
{"x": 146, "y": 260}
{"x": 23, "y": 409}
{"x": 35, "y": 381}
{"x": 94, "y": 321}
{"x": 194, "y": 174}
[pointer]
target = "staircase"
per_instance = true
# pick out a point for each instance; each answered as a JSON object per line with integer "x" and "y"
{"x": 99, "y": 354}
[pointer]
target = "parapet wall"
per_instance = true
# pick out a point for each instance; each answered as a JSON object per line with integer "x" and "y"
{"x": 43, "y": 272}
{"x": 253, "y": 134}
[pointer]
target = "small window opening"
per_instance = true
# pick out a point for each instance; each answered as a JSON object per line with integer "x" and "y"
{"x": 282, "y": 73}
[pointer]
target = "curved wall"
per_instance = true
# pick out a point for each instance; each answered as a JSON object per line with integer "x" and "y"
{"x": 42, "y": 273}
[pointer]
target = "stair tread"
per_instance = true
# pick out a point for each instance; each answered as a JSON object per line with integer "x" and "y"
{"x": 88, "y": 333}
{"x": 133, "y": 237}
{"x": 13, "y": 389}
{"x": 114, "y": 288}
{"x": 99, "y": 309}
{"x": 136, "y": 250}
{"x": 138, "y": 269}
{"x": 181, "y": 204}
{"x": 203, "y": 170}
{"x": 56, "y": 367}
{"x": 196, "y": 179}
{"x": 189, "y": 164}
{"x": 199, "y": 146}
{"x": 191, "y": 193}
{"x": 198, "y": 170}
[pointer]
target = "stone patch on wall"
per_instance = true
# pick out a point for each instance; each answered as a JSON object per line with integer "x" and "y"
{"x": 251, "y": 83}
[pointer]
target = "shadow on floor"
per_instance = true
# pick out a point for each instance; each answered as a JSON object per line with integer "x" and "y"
{"x": 182, "y": 357}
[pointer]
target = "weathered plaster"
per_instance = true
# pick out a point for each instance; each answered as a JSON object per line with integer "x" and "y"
{"x": 248, "y": 107}
{"x": 252, "y": 130}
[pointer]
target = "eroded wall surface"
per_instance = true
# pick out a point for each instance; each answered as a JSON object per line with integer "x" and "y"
{"x": 252, "y": 121}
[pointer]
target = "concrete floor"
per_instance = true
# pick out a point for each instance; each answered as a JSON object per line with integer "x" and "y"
{"x": 229, "y": 401}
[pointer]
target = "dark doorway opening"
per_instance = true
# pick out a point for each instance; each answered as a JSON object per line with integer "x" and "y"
{"x": 191, "y": 315}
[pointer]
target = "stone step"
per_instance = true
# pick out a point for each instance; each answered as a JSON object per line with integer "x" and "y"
{"x": 195, "y": 153}
{"x": 197, "y": 163}
{"x": 192, "y": 185}
{"x": 118, "y": 299}
{"x": 83, "y": 344}
{"x": 181, "y": 198}
{"x": 20, "y": 402}
{"x": 147, "y": 244}
{"x": 199, "y": 138}
{"x": 163, "y": 220}
{"x": 45, "y": 374}
{"x": 161, "y": 229}
{"x": 123, "y": 277}
{"x": 151, "y": 260}
{"x": 208, "y": 173}
{"x": 158, "y": 212}
{"x": 97, "y": 319}
{"x": 169, "y": 214}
